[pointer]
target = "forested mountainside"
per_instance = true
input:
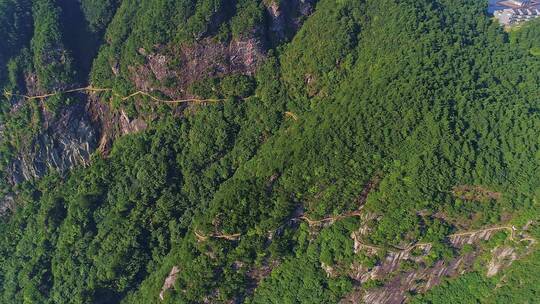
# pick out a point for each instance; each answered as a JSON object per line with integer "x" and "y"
{"x": 275, "y": 151}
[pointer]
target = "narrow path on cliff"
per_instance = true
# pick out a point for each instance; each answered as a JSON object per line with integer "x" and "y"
{"x": 90, "y": 89}
{"x": 232, "y": 237}
{"x": 512, "y": 230}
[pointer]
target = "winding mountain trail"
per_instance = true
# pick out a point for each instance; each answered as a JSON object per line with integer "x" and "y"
{"x": 331, "y": 218}
{"x": 512, "y": 229}
{"x": 90, "y": 89}
{"x": 230, "y": 237}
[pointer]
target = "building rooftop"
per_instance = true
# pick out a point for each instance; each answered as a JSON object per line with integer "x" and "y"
{"x": 512, "y": 12}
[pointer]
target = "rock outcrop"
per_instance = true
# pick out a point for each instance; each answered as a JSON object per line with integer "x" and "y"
{"x": 501, "y": 257}
{"x": 173, "y": 69}
{"x": 67, "y": 140}
{"x": 112, "y": 124}
{"x": 7, "y": 204}
{"x": 286, "y": 17}
{"x": 404, "y": 272}
{"x": 169, "y": 282}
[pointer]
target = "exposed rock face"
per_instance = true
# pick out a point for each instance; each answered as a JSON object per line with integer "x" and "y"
{"x": 173, "y": 68}
{"x": 176, "y": 69}
{"x": 459, "y": 241}
{"x": 278, "y": 23}
{"x": 69, "y": 138}
{"x": 111, "y": 124}
{"x": 502, "y": 257}
{"x": 169, "y": 282}
{"x": 67, "y": 141}
{"x": 7, "y": 203}
{"x": 423, "y": 278}
{"x": 330, "y": 271}
{"x": 286, "y": 17}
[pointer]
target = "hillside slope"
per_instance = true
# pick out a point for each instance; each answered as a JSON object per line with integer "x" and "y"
{"x": 352, "y": 151}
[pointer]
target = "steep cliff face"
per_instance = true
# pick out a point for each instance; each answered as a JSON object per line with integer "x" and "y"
{"x": 207, "y": 58}
{"x": 67, "y": 140}
{"x": 405, "y": 272}
{"x": 286, "y": 17}
{"x": 111, "y": 124}
{"x": 323, "y": 169}
{"x": 172, "y": 68}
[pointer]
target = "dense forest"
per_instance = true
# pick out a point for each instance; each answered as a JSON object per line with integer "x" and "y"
{"x": 291, "y": 151}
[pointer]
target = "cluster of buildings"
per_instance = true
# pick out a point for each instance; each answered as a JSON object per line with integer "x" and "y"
{"x": 514, "y": 12}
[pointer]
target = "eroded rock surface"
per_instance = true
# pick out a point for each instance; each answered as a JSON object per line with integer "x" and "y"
{"x": 7, "y": 204}
{"x": 286, "y": 17}
{"x": 67, "y": 140}
{"x": 422, "y": 278}
{"x": 112, "y": 124}
{"x": 177, "y": 67}
{"x": 171, "y": 69}
{"x": 501, "y": 257}
{"x": 169, "y": 281}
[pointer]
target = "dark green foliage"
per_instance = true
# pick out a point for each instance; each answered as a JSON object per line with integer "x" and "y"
{"x": 16, "y": 25}
{"x": 249, "y": 16}
{"x": 336, "y": 245}
{"x": 299, "y": 281}
{"x": 468, "y": 289}
{"x": 53, "y": 63}
{"x": 381, "y": 105}
{"x": 239, "y": 86}
{"x": 314, "y": 62}
{"x": 98, "y": 13}
{"x": 528, "y": 37}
